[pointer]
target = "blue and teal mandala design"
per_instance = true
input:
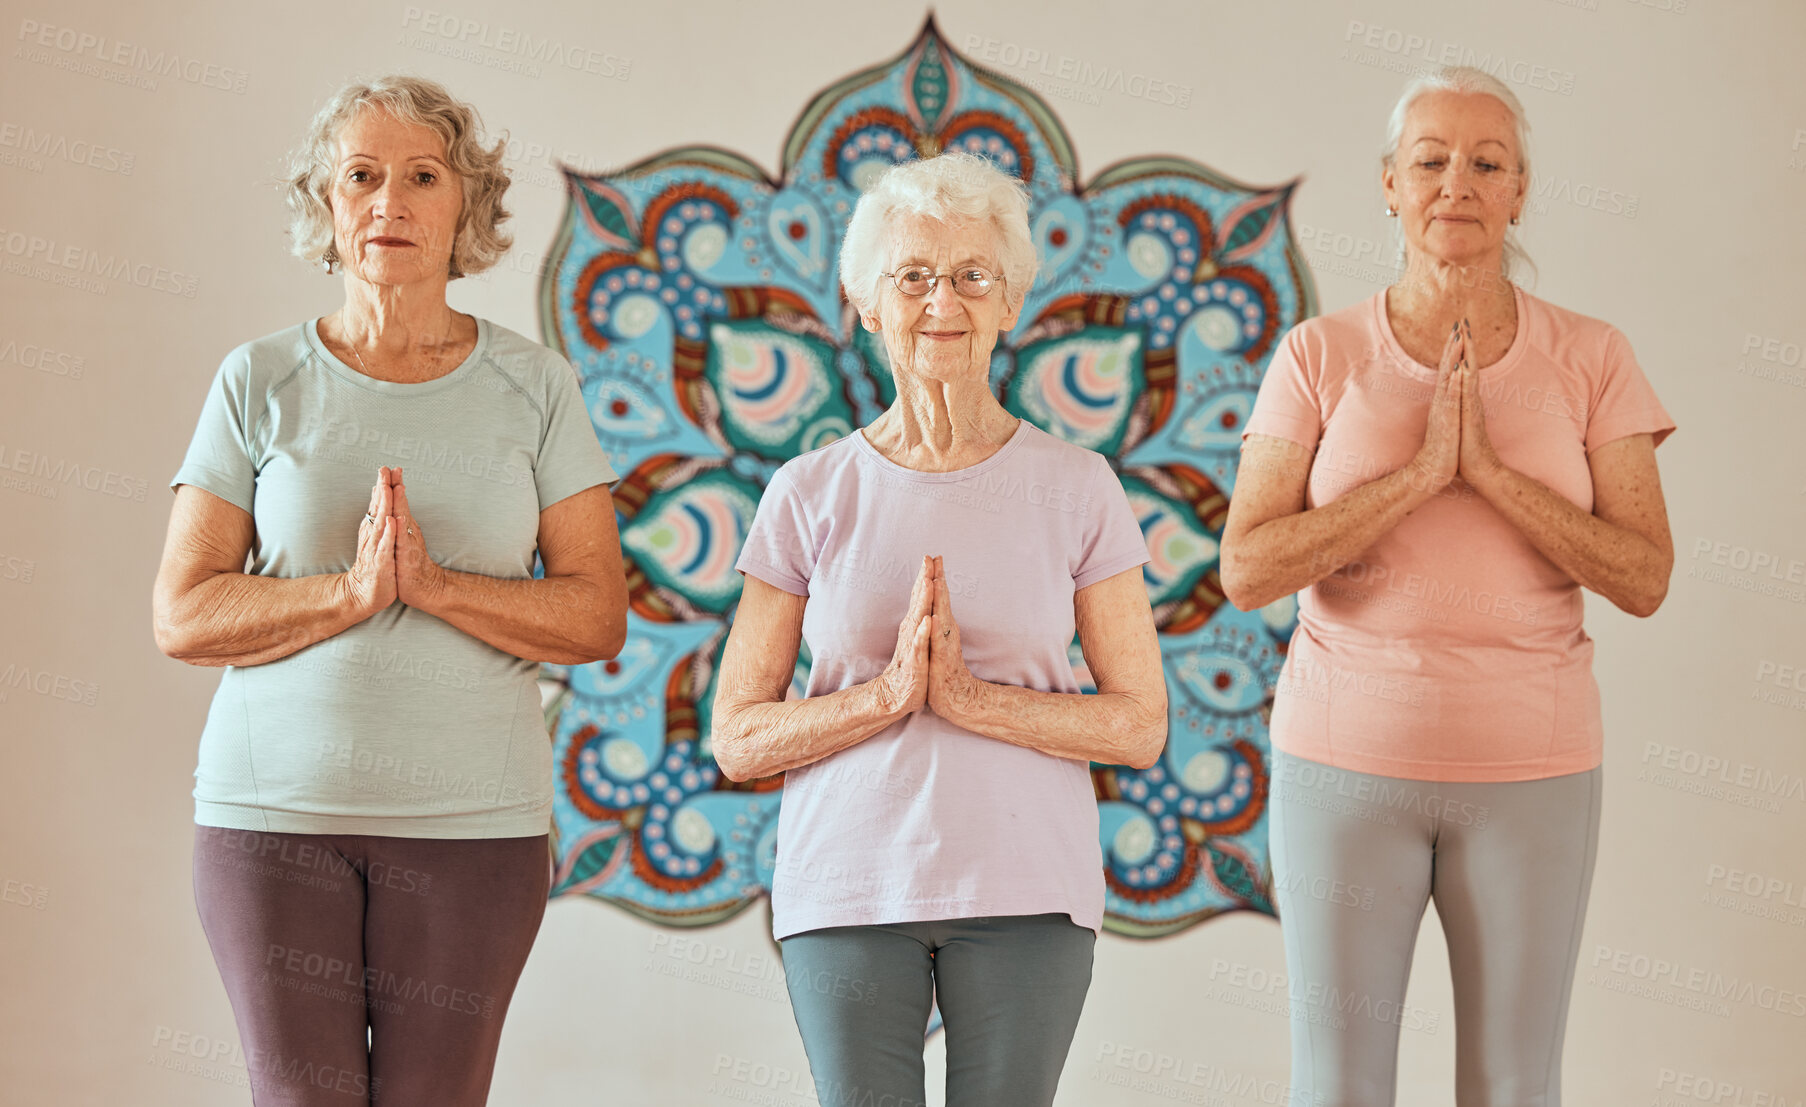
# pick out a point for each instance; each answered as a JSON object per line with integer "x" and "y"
{"x": 698, "y": 299}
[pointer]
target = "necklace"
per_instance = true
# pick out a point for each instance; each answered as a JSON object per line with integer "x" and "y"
{"x": 360, "y": 359}
{"x": 351, "y": 343}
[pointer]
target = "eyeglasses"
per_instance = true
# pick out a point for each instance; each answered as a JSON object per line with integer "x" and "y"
{"x": 970, "y": 281}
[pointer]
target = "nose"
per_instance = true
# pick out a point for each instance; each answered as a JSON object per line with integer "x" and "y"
{"x": 390, "y": 199}
{"x": 943, "y": 300}
{"x": 1458, "y": 179}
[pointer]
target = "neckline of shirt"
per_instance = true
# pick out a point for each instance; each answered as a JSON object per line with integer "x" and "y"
{"x": 870, "y": 451}
{"x": 399, "y": 388}
{"x": 1411, "y": 367}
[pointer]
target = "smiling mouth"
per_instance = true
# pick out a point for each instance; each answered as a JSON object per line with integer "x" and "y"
{"x": 942, "y": 334}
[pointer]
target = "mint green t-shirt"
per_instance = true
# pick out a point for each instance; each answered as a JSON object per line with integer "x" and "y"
{"x": 401, "y": 725}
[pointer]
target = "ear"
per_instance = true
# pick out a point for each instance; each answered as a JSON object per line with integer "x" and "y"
{"x": 1389, "y": 185}
{"x": 1012, "y": 310}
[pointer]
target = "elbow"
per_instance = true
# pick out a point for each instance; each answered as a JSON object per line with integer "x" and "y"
{"x": 615, "y": 641}
{"x": 1148, "y": 738}
{"x": 171, "y": 637}
{"x": 1647, "y": 603}
{"x": 611, "y": 640}
{"x": 1648, "y": 600}
{"x": 731, "y": 757}
{"x": 614, "y": 621}
{"x": 1238, "y": 589}
{"x": 728, "y": 745}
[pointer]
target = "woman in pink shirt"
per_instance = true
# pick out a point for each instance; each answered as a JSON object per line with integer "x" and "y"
{"x": 938, "y": 837}
{"x": 1438, "y": 471}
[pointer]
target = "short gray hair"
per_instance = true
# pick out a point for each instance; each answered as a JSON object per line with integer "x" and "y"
{"x": 479, "y": 243}
{"x": 954, "y": 187}
{"x": 1464, "y": 78}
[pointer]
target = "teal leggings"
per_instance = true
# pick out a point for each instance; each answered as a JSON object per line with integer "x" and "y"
{"x": 1010, "y": 990}
{"x": 1356, "y": 857}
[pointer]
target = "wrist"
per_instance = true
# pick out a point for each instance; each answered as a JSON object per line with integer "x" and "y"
{"x": 1487, "y": 475}
{"x": 1419, "y": 483}
{"x": 962, "y": 697}
{"x": 434, "y": 591}
{"x": 886, "y": 704}
{"x": 350, "y": 599}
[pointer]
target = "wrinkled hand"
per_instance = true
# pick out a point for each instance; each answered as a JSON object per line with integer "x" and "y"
{"x": 1439, "y": 459}
{"x": 1478, "y": 461}
{"x": 371, "y": 581}
{"x": 950, "y": 683}
{"x": 903, "y": 685}
{"x": 417, "y": 576}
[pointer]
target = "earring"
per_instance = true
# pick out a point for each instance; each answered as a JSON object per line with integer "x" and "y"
{"x": 1514, "y": 220}
{"x": 1390, "y": 210}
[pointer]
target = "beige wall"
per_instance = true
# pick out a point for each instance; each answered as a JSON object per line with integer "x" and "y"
{"x": 1688, "y": 127}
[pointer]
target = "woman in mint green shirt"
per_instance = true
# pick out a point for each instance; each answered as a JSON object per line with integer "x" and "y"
{"x": 353, "y": 540}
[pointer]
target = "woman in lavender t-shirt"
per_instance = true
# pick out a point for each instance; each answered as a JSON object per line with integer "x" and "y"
{"x": 938, "y": 836}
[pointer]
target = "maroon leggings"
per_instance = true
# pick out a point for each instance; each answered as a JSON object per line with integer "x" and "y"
{"x": 365, "y": 969}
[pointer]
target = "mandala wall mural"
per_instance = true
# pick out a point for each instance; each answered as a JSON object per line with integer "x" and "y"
{"x": 699, "y": 301}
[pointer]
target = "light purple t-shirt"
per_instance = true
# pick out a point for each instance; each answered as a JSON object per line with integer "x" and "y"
{"x": 927, "y": 820}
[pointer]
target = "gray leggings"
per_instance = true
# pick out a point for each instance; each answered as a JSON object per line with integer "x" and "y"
{"x": 1355, "y": 859}
{"x": 1010, "y": 989}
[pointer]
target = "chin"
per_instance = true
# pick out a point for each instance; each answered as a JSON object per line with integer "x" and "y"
{"x": 951, "y": 369}
{"x": 392, "y": 273}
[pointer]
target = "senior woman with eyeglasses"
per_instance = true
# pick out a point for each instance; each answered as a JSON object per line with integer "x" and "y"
{"x": 375, "y": 781}
{"x": 1440, "y": 470}
{"x": 938, "y": 834}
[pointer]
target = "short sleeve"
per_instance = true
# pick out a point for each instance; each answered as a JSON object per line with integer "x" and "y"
{"x": 222, "y": 458}
{"x": 1287, "y": 405}
{"x": 780, "y": 547}
{"x": 570, "y": 459}
{"x": 1111, "y": 538}
{"x": 1623, "y": 401}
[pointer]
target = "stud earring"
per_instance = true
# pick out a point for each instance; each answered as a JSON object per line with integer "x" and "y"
{"x": 1390, "y": 210}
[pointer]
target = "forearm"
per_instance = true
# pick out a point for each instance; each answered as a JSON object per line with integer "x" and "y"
{"x": 1109, "y": 728}
{"x": 245, "y": 619}
{"x": 1619, "y": 564}
{"x": 563, "y": 620}
{"x": 760, "y": 739}
{"x": 1291, "y": 553}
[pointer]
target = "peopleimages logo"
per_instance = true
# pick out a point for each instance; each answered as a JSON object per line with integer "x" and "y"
{"x": 40, "y": 474}
{"x": 523, "y": 48}
{"x": 84, "y": 52}
{"x": 34, "y": 147}
{"x": 46, "y": 256}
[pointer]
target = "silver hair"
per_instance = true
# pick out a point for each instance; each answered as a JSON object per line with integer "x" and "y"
{"x": 479, "y": 242}
{"x": 1467, "y": 79}
{"x": 954, "y": 187}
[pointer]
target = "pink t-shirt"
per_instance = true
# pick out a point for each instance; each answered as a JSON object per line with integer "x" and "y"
{"x": 1452, "y": 649}
{"x": 927, "y": 820}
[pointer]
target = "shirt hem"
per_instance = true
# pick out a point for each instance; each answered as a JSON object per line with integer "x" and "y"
{"x": 1443, "y": 772}
{"x": 930, "y": 911}
{"x": 1291, "y": 429}
{"x": 1109, "y": 569}
{"x": 782, "y": 581}
{"x": 475, "y": 826}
